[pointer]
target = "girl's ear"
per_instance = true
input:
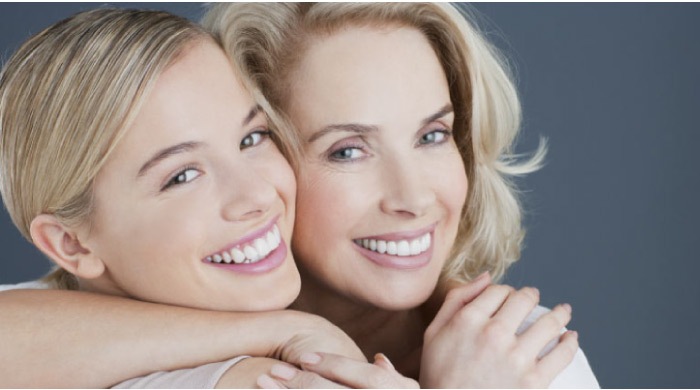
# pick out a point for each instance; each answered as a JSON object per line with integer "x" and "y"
{"x": 62, "y": 245}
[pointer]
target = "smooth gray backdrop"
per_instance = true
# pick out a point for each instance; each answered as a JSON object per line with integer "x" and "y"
{"x": 613, "y": 216}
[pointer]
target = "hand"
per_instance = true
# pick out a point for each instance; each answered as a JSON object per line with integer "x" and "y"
{"x": 316, "y": 334}
{"x": 472, "y": 341}
{"x": 329, "y": 371}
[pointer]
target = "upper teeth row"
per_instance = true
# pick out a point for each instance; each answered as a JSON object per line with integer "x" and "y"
{"x": 397, "y": 248}
{"x": 251, "y": 252}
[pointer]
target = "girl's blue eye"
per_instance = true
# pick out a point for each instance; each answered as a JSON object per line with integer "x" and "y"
{"x": 254, "y": 138}
{"x": 184, "y": 176}
{"x": 345, "y": 154}
{"x": 434, "y": 137}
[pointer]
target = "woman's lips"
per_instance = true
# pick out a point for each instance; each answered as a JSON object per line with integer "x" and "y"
{"x": 402, "y": 250}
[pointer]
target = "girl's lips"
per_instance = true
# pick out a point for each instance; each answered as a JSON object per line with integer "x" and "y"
{"x": 273, "y": 260}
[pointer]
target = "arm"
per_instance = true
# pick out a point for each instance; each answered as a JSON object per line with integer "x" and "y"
{"x": 109, "y": 339}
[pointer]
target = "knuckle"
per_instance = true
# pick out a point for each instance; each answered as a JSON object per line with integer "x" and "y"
{"x": 468, "y": 317}
{"x": 495, "y": 331}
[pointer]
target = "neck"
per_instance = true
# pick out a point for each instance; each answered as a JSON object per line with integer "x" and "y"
{"x": 397, "y": 334}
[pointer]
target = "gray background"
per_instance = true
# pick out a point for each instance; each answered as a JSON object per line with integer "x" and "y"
{"x": 612, "y": 217}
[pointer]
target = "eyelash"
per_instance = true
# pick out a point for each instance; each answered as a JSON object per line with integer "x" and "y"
{"x": 445, "y": 132}
{"x": 333, "y": 155}
{"x": 172, "y": 181}
{"x": 264, "y": 134}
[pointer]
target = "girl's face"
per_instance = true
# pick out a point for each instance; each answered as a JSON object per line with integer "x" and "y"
{"x": 196, "y": 204}
{"x": 382, "y": 184}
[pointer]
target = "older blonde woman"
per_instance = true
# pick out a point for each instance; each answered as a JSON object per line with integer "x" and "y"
{"x": 429, "y": 157}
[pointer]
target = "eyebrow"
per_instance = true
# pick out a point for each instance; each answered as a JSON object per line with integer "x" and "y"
{"x": 167, "y": 152}
{"x": 363, "y": 129}
{"x": 188, "y": 146}
{"x": 251, "y": 114}
{"x": 446, "y": 109}
{"x": 346, "y": 127}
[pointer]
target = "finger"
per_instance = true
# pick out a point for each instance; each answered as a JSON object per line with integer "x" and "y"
{"x": 489, "y": 301}
{"x": 517, "y": 307}
{"x": 352, "y": 373}
{"x": 545, "y": 329}
{"x": 559, "y": 358}
{"x": 458, "y": 297}
{"x": 290, "y": 377}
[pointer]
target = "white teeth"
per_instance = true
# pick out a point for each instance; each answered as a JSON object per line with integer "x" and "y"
{"x": 238, "y": 256}
{"x": 261, "y": 247}
{"x": 227, "y": 257}
{"x": 397, "y": 248}
{"x": 251, "y": 253}
{"x": 392, "y": 248}
{"x": 271, "y": 241}
{"x": 403, "y": 249}
{"x": 415, "y": 247}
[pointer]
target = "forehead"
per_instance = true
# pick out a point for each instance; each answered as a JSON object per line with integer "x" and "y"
{"x": 196, "y": 98}
{"x": 359, "y": 70}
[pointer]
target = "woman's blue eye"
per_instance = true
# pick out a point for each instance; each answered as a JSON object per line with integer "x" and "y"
{"x": 434, "y": 137}
{"x": 184, "y": 176}
{"x": 350, "y": 153}
{"x": 254, "y": 138}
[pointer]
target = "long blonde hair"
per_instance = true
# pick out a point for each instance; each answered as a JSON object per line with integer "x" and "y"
{"x": 67, "y": 97}
{"x": 268, "y": 40}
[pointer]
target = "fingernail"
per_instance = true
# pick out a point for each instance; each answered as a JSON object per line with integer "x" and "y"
{"x": 283, "y": 372}
{"x": 381, "y": 356}
{"x": 482, "y": 276}
{"x": 536, "y": 291}
{"x": 574, "y": 334}
{"x": 310, "y": 358}
{"x": 566, "y": 307}
{"x": 265, "y": 382}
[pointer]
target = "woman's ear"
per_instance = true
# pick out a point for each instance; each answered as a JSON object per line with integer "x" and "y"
{"x": 62, "y": 245}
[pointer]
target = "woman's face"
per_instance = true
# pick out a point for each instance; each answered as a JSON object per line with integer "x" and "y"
{"x": 191, "y": 206}
{"x": 382, "y": 184}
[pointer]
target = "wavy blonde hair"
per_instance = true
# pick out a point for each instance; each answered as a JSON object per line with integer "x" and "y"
{"x": 67, "y": 96}
{"x": 268, "y": 40}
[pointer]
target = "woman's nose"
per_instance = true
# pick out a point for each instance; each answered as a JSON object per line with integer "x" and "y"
{"x": 247, "y": 194}
{"x": 407, "y": 189}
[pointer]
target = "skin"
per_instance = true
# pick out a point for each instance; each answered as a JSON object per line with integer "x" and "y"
{"x": 379, "y": 153}
{"x": 173, "y": 212}
{"x": 228, "y": 180}
{"x": 397, "y": 332}
{"x": 396, "y": 181}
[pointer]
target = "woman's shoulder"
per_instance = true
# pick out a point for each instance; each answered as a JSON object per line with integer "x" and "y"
{"x": 578, "y": 374}
{"x": 38, "y": 284}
